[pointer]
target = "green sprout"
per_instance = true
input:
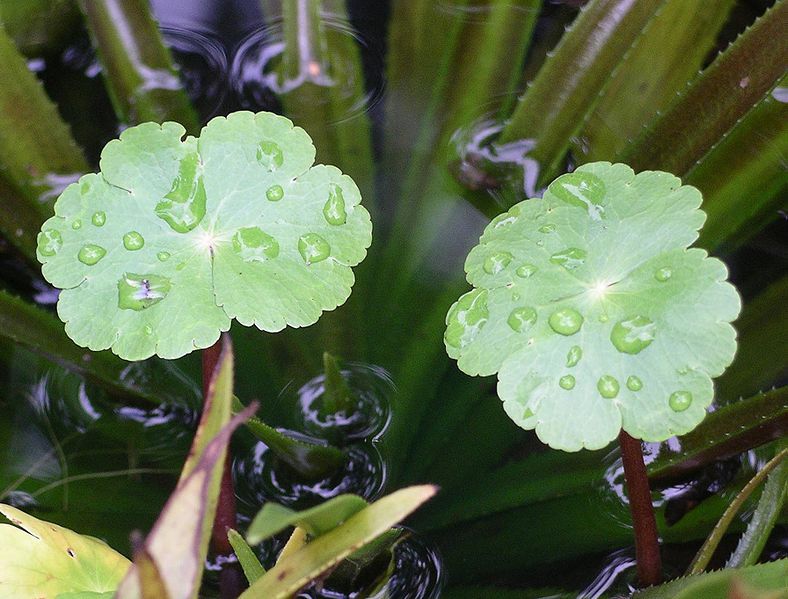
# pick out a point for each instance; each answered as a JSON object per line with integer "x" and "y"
{"x": 593, "y": 312}
{"x": 175, "y": 237}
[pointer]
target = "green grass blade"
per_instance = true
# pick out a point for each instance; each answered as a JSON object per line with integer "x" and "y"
{"x": 251, "y": 566}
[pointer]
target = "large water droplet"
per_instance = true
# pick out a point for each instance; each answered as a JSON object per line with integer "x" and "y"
{"x": 77, "y": 224}
{"x": 253, "y": 244}
{"x": 91, "y": 253}
{"x": 680, "y": 400}
{"x": 99, "y": 218}
{"x": 548, "y": 228}
{"x": 526, "y": 271}
{"x": 566, "y": 321}
{"x": 496, "y": 262}
{"x": 607, "y": 386}
{"x": 574, "y": 355}
{"x": 334, "y": 209}
{"x": 633, "y": 335}
{"x": 663, "y": 274}
{"x": 634, "y": 383}
{"x": 313, "y": 248}
{"x": 184, "y": 206}
{"x": 275, "y": 193}
{"x": 466, "y": 318}
{"x": 163, "y": 256}
{"x": 570, "y": 258}
{"x": 581, "y": 189}
{"x": 49, "y": 242}
{"x": 148, "y": 330}
{"x": 522, "y": 319}
{"x": 133, "y": 241}
{"x": 567, "y": 382}
{"x": 269, "y": 155}
{"x": 137, "y": 292}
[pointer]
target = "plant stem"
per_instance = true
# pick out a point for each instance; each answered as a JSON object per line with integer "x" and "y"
{"x": 649, "y": 562}
{"x": 230, "y": 582}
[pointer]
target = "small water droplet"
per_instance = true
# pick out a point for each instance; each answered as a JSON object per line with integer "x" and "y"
{"x": 269, "y": 155}
{"x": 334, "y": 209}
{"x": 275, "y": 193}
{"x": 496, "y": 262}
{"x": 148, "y": 329}
{"x": 566, "y": 321}
{"x": 313, "y": 248}
{"x": 522, "y": 319}
{"x": 163, "y": 256}
{"x": 91, "y": 253}
{"x": 663, "y": 274}
{"x": 633, "y": 335}
{"x": 99, "y": 218}
{"x": 253, "y": 244}
{"x": 137, "y": 292}
{"x": 607, "y": 386}
{"x": 84, "y": 187}
{"x": 603, "y": 318}
{"x": 133, "y": 241}
{"x": 548, "y": 228}
{"x": 466, "y": 318}
{"x": 634, "y": 383}
{"x": 680, "y": 400}
{"x": 526, "y": 271}
{"x": 527, "y": 414}
{"x": 682, "y": 371}
{"x": 184, "y": 206}
{"x": 574, "y": 355}
{"x": 77, "y": 224}
{"x": 540, "y": 243}
{"x": 503, "y": 220}
{"x": 570, "y": 258}
{"x": 581, "y": 189}
{"x": 567, "y": 382}
{"x": 49, "y": 242}
{"x": 181, "y": 266}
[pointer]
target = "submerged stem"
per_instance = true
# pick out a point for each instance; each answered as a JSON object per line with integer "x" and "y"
{"x": 649, "y": 562}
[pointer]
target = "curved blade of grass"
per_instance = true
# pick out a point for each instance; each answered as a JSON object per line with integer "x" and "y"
{"x": 716, "y": 100}
{"x": 661, "y": 61}
{"x": 728, "y": 431}
{"x": 319, "y": 556}
{"x": 764, "y": 518}
{"x": 752, "y": 156}
{"x": 706, "y": 552}
{"x": 567, "y": 86}
{"x": 251, "y": 566}
{"x": 138, "y": 69}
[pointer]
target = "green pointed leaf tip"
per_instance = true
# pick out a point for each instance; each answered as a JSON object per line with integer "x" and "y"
{"x": 175, "y": 237}
{"x": 593, "y": 312}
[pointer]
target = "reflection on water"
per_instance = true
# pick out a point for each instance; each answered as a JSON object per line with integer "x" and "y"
{"x": 612, "y": 580}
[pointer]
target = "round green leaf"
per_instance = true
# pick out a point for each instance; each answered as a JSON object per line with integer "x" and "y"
{"x": 593, "y": 312}
{"x": 175, "y": 237}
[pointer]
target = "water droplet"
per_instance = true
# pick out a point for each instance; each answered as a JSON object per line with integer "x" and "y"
{"x": 133, "y": 241}
{"x": 526, "y": 271}
{"x": 607, "y": 386}
{"x": 334, "y": 209}
{"x": 680, "y": 400}
{"x": 566, "y": 321}
{"x": 633, "y": 335}
{"x": 84, "y": 187}
{"x": 99, "y": 218}
{"x": 269, "y": 155}
{"x": 163, "y": 256}
{"x": 91, "y": 253}
{"x": 275, "y": 193}
{"x": 313, "y": 248}
{"x": 540, "y": 243}
{"x": 496, "y": 262}
{"x": 527, "y": 414}
{"x": 581, "y": 189}
{"x": 181, "y": 266}
{"x": 184, "y": 206}
{"x": 502, "y": 220}
{"x": 137, "y": 292}
{"x": 663, "y": 274}
{"x": 574, "y": 355}
{"x": 548, "y": 228}
{"x": 77, "y": 224}
{"x": 522, "y": 319}
{"x": 49, "y": 242}
{"x": 634, "y": 383}
{"x": 148, "y": 330}
{"x": 466, "y": 318}
{"x": 570, "y": 258}
{"x": 253, "y": 244}
{"x": 603, "y": 318}
{"x": 567, "y": 382}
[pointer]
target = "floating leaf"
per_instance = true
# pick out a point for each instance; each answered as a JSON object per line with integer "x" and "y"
{"x": 173, "y": 239}
{"x": 593, "y": 312}
{"x": 42, "y": 559}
